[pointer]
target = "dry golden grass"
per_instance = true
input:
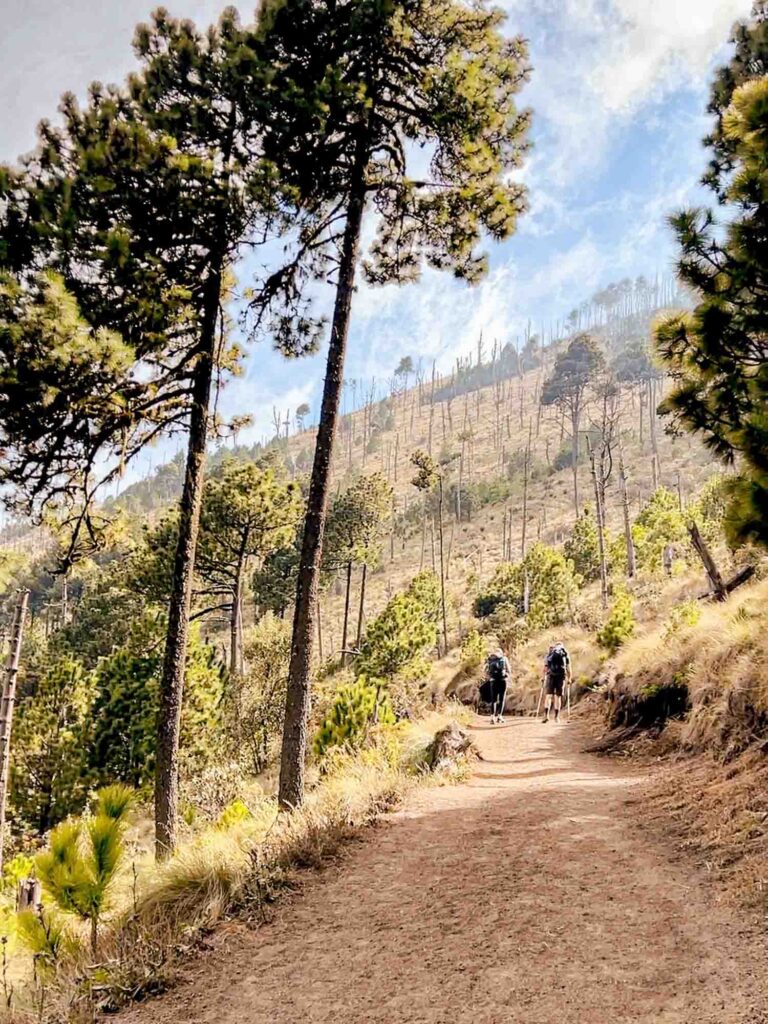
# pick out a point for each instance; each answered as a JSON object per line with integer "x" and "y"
{"x": 220, "y": 871}
{"x": 722, "y": 660}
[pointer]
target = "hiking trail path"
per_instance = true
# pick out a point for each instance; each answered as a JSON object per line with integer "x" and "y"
{"x": 533, "y": 894}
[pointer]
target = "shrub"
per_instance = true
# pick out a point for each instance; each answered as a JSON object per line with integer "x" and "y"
{"x": 659, "y": 524}
{"x": 255, "y": 702}
{"x": 619, "y": 626}
{"x": 396, "y": 641}
{"x": 683, "y": 616}
{"x": 583, "y": 547}
{"x": 551, "y": 581}
{"x": 472, "y": 650}
{"x": 356, "y": 707}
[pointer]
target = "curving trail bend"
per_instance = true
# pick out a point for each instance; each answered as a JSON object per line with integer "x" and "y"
{"x": 530, "y": 895}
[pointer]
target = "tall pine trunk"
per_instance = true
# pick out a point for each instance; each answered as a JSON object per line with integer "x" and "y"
{"x": 629, "y": 540}
{"x": 293, "y": 755}
{"x": 442, "y": 566}
{"x": 236, "y": 621}
{"x": 174, "y": 662}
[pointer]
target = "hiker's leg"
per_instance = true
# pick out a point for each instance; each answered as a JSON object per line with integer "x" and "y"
{"x": 558, "y": 705}
{"x": 502, "y": 702}
{"x": 547, "y": 705}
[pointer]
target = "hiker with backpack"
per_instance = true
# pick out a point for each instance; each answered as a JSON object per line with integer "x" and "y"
{"x": 557, "y": 675}
{"x": 494, "y": 688}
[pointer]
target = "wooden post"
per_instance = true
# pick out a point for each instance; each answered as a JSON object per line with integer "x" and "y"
{"x": 8, "y": 703}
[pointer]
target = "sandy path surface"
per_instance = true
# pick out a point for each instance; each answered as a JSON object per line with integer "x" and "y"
{"x": 531, "y": 895}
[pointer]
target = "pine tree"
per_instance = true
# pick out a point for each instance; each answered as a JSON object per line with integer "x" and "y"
{"x": 144, "y": 200}
{"x": 247, "y": 512}
{"x": 49, "y": 776}
{"x": 79, "y": 868}
{"x": 620, "y": 624}
{"x": 397, "y": 640}
{"x": 358, "y": 88}
{"x": 353, "y": 531}
{"x": 583, "y": 547}
{"x": 355, "y": 708}
{"x": 717, "y": 354}
{"x": 575, "y": 371}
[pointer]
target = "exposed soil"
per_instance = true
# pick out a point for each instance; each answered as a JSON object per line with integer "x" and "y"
{"x": 532, "y": 895}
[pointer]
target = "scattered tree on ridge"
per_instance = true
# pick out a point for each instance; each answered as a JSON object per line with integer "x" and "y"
{"x": 574, "y": 373}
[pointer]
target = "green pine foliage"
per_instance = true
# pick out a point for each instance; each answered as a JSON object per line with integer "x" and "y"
{"x": 124, "y": 713}
{"x": 473, "y": 650}
{"x": 396, "y": 641}
{"x": 583, "y": 546}
{"x": 620, "y": 624}
{"x": 552, "y": 585}
{"x": 356, "y": 707}
{"x": 355, "y": 521}
{"x": 716, "y": 354}
{"x": 50, "y": 775}
{"x": 254, "y": 703}
{"x": 84, "y": 856}
{"x": 659, "y": 524}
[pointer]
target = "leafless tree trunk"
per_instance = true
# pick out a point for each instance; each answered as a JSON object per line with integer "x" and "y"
{"x": 600, "y": 528}
{"x": 631, "y": 566}
{"x": 345, "y": 630}
{"x": 361, "y": 608}
{"x": 8, "y": 704}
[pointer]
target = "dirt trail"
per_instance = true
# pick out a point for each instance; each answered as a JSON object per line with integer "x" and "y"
{"x": 530, "y": 895}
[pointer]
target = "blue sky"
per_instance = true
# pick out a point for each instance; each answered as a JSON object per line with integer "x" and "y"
{"x": 618, "y": 94}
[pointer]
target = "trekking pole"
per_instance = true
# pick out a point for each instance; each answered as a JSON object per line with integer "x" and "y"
{"x": 541, "y": 694}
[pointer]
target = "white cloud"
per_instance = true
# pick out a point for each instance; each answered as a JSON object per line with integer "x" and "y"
{"x": 598, "y": 62}
{"x": 656, "y": 45}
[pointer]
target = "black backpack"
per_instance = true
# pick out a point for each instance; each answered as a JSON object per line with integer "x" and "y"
{"x": 557, "y": 660}
{"x": 496, "y": 669}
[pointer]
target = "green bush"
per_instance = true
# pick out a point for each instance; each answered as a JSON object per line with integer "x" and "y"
{"x": 683, "y": 616}
{"x": 659, "y": 524}
{"x": 254, "y": 703}
{"x": 619, "y": 626}
{"x": 583, "y": 546}
{"x": 49, "y": 772}
{"x": 472, "y": 650}
{"x": 552, "y": 586}
{"x": 124, "y": 712}
{"x": 355, "y": 708}
{"x": 396, "y": 641}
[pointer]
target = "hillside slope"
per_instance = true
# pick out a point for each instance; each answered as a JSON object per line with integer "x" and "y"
{"x": 478, "y": 422}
